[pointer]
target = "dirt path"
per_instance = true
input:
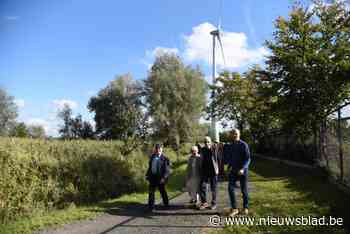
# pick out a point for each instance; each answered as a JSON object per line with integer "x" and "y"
{"x": 135, "y": 219}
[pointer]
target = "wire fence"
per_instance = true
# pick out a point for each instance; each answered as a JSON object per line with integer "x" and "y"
{"x": 328, "y": 148}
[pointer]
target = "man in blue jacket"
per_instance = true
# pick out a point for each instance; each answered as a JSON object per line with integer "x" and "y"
{"x": 237, "y": 156}
{"x": 157, "y": 175}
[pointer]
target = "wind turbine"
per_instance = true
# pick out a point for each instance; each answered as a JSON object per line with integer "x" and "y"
{"x": 216, "y": 36}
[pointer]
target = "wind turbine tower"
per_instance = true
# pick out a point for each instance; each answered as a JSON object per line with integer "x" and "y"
{"x": 216, "y": 34}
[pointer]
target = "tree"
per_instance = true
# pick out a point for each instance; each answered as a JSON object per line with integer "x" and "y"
{"x": 19, "y": 130}
{"x": 118, "y": 109}
{"x": 309, "y": 65}
{"x": 176, "y": 97}
{"x": 8, "y": 112}
{"x": 81, "y": 129}
{"x": 66, "y": 116}
{"x": 74, "y": 127}
{"x": 247, "y": 100}
{"x": 36, "y": 131}
{"x": 87, "y": 131}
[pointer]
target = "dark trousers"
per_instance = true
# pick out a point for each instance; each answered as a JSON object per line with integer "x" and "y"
{"x": 221, "y": 168}
{"x": 152, "y": 188}
{"x": 243, "y": 179}
{"x": 213, "y": 181}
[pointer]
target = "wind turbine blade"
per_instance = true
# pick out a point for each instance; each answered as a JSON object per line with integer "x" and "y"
{"x": 222, "y": 49}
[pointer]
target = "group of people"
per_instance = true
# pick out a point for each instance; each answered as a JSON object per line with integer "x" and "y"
{"x": 203, "y": 168}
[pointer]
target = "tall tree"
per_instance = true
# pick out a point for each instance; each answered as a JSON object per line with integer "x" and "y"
{"x": 81, "y": 129}
{"x": 245, "y": 99}
{"x": 176, "y": 98}
{"x": 8, "y": 112}
{"x": 36, "y": 131}
{"x": 66, "y": 116}
{"x": 118, "y": 110}
{"x": 309, "y": 66}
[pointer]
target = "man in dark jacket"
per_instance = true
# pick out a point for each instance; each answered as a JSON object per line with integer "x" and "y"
{"x": 157, "y": 175}
{"x": 210, "y": 171}
{"x": 237, "y": 156}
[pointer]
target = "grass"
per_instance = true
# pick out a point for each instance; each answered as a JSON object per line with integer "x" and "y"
{"x": 73, "y": 213}
{"x": 278, "y": 190}
{"x": 284, "y": 191}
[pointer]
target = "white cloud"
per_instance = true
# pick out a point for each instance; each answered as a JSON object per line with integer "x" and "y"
{"x": 11, "y": 17}
{"x": 237, "y": 52}
{"x": 59, "y": 104}
{"x": 19, "y": 103}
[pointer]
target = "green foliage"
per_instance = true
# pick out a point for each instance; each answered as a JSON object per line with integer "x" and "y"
{"x": 279, "y": 190}
{"x": 54, "y": 218}
{"x": 19, "y": 130}
{"x": 117, "y": 107}
{"x": 8, "y": 112}
{"x": 245, "y": 99}
{"x": 39, "y": 175}
{"x": 73, "y": 127}
{"x": 176, "y": 97}
{"x": 36, "y": 131}
{"x": 65, "y": 115}
{"x": 81, "y": 129}
{"x": 305, "y": 80}
{"x": 22, "y": 130}
{"x": 309, "y": 65}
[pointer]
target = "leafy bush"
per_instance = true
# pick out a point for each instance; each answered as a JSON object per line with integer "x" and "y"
{"x": 39, "y": 175}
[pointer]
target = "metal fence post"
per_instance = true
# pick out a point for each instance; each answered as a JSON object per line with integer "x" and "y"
{"x": 340, "y": 138}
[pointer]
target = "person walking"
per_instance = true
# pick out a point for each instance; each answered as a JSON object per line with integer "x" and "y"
{"x": 237, "y": 156}
{"x": 193, "y": 176}
{"x": 157, "y": 176}
{"x": 210, "y": 171}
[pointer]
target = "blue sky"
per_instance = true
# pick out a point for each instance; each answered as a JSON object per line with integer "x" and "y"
{"x": 55, "y": 52}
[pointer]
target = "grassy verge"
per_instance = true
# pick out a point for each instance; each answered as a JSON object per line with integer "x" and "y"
{"x": 284, "y": 191}
{"x": 73, "y": 213}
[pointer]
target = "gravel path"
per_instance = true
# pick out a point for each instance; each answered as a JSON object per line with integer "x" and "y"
{"x": 135, "y": 219}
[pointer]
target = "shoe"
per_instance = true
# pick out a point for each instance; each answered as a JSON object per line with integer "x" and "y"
{"x": 233, "y": 212}
{"x": 213, "y": 207}
{"x": 192, "y": 201}
{"x": 245, "y": 211}
{"x": 203, "y": 206}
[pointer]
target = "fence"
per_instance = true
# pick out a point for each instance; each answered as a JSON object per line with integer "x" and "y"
{"x": 334, "y": 145}
{"x": 328, "y": 148}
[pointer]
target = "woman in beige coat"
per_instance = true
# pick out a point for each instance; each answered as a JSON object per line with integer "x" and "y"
{"x": 193, "y": 176}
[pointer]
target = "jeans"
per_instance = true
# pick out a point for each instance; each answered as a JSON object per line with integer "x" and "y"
{"x": 152, "y": 188}
{"x": 213, "y": 181}
{"x": 243, "y": 179}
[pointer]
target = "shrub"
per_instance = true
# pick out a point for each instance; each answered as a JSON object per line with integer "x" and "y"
{"x": 38, "y": 175}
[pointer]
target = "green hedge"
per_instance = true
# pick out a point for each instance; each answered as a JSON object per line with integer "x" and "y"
{"x": 39, "y": 175}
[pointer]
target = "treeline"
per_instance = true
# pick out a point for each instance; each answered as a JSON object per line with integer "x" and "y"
{"x": 305, "y": 78}
{"x": 8, "y": 124}
{"x": 166, "y": 106}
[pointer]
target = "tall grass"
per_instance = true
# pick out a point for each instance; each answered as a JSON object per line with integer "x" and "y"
{"x": 41, "y": 175}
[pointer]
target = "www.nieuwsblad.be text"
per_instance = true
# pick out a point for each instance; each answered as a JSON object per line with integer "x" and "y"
{"x": 217, "y": 220}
